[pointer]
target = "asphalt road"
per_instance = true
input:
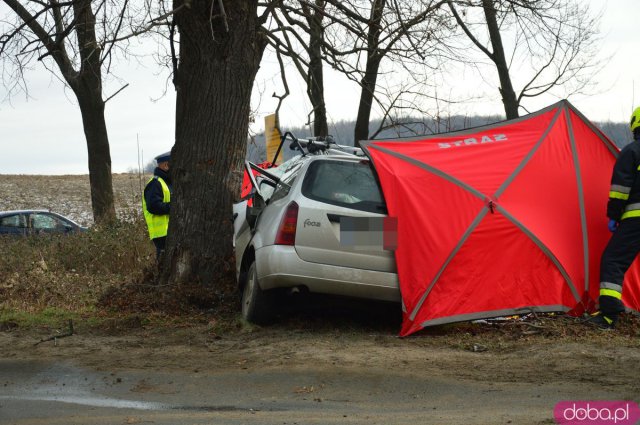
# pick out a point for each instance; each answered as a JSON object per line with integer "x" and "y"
{"x": 60, "y": 393}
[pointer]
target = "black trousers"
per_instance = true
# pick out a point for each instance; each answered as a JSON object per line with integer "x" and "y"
{"x": 159, "y": 243}
{"x": 622, "y": 249}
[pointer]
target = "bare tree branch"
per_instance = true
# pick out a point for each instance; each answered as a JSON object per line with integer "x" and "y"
{"x": 283, "y": 76}
{"x": 468, "y": 32}
{"x": 113, "y": 95}
{"x": 56, "y": 50}
{"x": 156, "y": 22}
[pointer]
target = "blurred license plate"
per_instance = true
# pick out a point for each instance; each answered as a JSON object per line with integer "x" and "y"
{"x": 369, "y": 233}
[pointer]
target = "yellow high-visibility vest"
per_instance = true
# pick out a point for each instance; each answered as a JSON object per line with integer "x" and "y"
{"x": 158, "y": 225}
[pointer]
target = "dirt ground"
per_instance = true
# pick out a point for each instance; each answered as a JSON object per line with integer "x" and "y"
{"x": 534, "y": 351}
{"x": 499, "y": 369}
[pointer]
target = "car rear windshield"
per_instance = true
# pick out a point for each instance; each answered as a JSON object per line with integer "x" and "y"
{"x": 345, "y": 184}
{"x": 16, "y": 220}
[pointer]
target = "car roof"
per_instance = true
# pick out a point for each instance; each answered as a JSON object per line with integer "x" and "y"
{"x": 294, "y": 164}
{"x": 6, "y": 213}
{"x": 342, "y": 156}
{"x": 2, "y": 213}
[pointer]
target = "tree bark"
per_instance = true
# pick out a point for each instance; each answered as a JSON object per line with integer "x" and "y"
{"x": 214, "y": 79}
{"x": 368, "y": 83}
{"x": 87, "y": 86}
{"x": 509, "y": 98}
{"x": 367, "y": 89}
{"x": 315, "y": 84}
{"x": 95, "y": 131}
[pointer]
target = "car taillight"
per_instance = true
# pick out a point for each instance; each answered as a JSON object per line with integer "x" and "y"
{"x": 287, "y": 230}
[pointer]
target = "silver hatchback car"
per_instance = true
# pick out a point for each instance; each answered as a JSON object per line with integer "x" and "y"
{"x": 298, "y": 232}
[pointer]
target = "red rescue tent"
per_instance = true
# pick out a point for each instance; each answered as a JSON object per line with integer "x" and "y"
{"x": 504, "y": 219}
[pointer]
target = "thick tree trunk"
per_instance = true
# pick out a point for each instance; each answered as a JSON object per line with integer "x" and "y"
{"x": 214, "y": 79}
{"x": 509, "y": 98}
{"x": 316, "y": 78}
{"x": 367, "y": 89}
{"x": 95, "y": 131}
{"x": 87, "y": 86}
{"x": 368, "y": 83}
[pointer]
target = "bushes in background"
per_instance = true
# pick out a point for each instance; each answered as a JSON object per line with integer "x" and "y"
{"x": 72, "y": 271}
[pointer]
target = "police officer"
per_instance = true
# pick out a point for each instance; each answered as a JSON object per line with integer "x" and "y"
{"x": 623, "y": 211}
{"x": 156, "y": 202}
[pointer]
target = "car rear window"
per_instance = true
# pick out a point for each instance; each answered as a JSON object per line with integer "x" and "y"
{"x": 344, "y": 183}
{"x": 281, "y": 189}
{"x": 13, "y": 221}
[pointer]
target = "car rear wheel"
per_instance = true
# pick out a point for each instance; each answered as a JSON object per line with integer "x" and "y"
{"x": 257, "y": 305}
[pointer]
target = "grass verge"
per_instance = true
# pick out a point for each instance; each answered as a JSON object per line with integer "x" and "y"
{"x": 103, "y": 277}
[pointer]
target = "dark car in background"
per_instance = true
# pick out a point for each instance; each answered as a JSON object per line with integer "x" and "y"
{"x": 36, "y": 222}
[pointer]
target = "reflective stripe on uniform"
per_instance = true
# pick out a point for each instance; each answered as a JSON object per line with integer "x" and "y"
{"x": 631, "y": 214}
{"x": 158, "y": 225}
{"x": 620, "y": 189}
{"x": 631, "y": 210}
{"x": 618, "y": 195}
{"x": 610, "y": 285}
{"x": 619, "y": 192}
{"x": 610, "y": 293}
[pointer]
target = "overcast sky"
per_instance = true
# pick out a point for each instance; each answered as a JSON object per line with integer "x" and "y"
{"x": 43, "y": 134}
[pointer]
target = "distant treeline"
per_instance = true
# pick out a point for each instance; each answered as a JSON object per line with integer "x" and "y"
{"x": 342, "y": 132}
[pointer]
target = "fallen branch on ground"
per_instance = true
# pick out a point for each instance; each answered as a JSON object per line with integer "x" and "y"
{"x": 55, "y": 337}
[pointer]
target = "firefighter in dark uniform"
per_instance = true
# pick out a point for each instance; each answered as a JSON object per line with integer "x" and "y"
{"x": 156, "y": 202}
{"x": 623, "y": 211}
